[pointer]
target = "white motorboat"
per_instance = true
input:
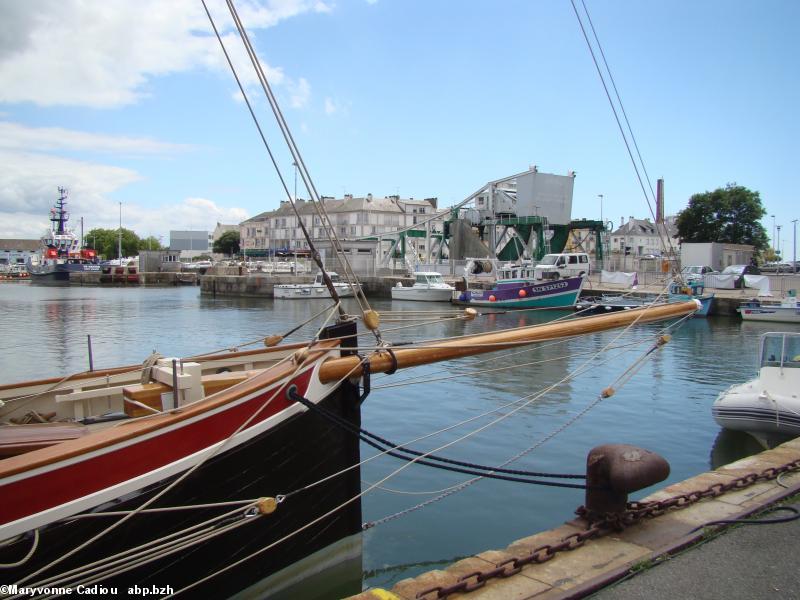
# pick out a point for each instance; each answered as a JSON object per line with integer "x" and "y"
{"x": 770, "y": 403}
{"x": 428, "y": 287}
{"x": 788, "y": 311}
{"x": 316, "y": 289}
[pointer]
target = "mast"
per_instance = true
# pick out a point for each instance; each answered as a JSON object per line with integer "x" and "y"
{"x": 59, "y": 215}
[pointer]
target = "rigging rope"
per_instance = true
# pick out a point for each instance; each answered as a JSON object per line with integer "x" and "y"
{"x": 396, "y": 450}
{"x": 463, "y": 485}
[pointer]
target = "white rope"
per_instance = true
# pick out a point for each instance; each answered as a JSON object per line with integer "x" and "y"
{"x": 25, "y": 558}
{"x": 187, "y": 533}
{"x": 120, "y": 513}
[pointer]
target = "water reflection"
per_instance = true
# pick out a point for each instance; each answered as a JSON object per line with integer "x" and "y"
{"x": 730, "y": 446}
{"x": 665, "y": 407}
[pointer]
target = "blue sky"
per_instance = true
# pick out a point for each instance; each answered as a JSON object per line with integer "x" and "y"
{"x": 131, "y": 102}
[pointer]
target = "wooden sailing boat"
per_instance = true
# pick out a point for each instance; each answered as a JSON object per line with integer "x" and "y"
{"x": 217, "y": 474}
{"x": 244, "y": 438}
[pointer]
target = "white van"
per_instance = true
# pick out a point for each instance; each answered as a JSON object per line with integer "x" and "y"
{"x": 566, "y": 264}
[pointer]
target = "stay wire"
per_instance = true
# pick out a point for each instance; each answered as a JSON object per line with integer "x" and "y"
{"x": 301, "y": 166}
{"x": 254, "y": 60}
{"x": 613, "y": 107}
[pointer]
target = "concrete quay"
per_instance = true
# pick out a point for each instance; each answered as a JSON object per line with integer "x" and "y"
{"x": 127, "y": 279}
{"x": 261, "y": 285}
{"x": 603, "y": 561}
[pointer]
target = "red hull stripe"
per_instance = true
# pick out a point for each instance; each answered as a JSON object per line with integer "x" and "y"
{"x": 114, "y": 466}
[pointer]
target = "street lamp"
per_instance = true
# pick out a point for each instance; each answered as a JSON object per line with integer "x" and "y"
{"x": 602, "y": 252}
{"x": 778, "y": 251}
{"x": 794, "y": 246}
{"x": 773, "y": 232}
{"x": 119, "y": 242}
{"x": 601, "y": 208}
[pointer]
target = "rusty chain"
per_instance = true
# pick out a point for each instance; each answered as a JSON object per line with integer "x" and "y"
{"x": 599, "y": 525}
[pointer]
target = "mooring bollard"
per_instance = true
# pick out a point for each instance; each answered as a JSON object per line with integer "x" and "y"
{"x": 615, "y": 470}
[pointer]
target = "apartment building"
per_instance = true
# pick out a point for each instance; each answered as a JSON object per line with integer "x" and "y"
{"x": 642, "y": 237}
{"x": 352, "y": 218}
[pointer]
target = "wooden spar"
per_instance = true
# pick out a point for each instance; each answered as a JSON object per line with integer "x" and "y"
{"x": 335, "y": 369}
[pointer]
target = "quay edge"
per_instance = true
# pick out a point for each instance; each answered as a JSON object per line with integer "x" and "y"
{"x": 262, "y": 285}
{"x": 605, "y": 560}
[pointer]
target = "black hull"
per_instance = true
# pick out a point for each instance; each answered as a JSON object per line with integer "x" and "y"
{"x": 291, "y": 455}
{"x": 50, "y": 277}
{"x": 59, "y": 273}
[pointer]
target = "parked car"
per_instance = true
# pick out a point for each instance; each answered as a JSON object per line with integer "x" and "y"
{"x": 696, "y": 272}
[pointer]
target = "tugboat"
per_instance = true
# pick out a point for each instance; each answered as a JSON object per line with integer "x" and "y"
{"x": 61, "y": 252}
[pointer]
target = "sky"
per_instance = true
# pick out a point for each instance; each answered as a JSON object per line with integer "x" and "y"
{"x": 129, "y": 104}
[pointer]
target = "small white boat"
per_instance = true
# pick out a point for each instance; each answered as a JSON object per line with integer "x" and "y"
{"x": 316, "y": 289}
{"x": 428, "y": 287}
{"x": 770, "y": 403}
{"x": 788, "y": 311}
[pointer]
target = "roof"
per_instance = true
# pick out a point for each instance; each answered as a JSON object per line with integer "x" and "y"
{"x": 19, "y": 245}
{"x": 645, "y": 227}
{"x": 347, "y": 204}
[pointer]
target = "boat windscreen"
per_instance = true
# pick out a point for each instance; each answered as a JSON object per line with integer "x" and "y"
{"x": 781, "y": 350}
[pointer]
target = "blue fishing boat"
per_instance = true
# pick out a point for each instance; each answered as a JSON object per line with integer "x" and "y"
{"x": 692, "y": 290}
{"x": 516, "y": 287}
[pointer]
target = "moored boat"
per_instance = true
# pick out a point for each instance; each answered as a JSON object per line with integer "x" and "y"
{"x": 516, "y": 287}
{"x": 61, "y": 253}
{"x": 611, "y": 303}
{"x": 211, "y": 441}
{"x": 787, "y": 311}
{"x": 767, "y": 404}
{"x": 427, "y": 287}
{"x": 316, "y": 289}
{"x": 229, "y": 471}
{"x": 679, "y": 292}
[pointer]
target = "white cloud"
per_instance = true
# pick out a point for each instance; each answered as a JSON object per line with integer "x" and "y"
{"x": 299, "y": 92}
{"x": 330, "y": 106}
{"x": 29, "y": 184}
{"x": 101, "y": 54}
{"x": 14, "y": 136}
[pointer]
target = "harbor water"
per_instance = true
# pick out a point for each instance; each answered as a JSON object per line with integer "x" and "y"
{"x": 486, "y": 409}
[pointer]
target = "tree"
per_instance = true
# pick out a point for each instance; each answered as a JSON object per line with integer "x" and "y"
{"x": 228, "y": 243}
{"x": 106, "y": 242}
{"x": 727, "y": 215}
{"x": 150, "y": 243}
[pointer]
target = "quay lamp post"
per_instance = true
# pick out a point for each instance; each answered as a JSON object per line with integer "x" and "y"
{"x": 773, "y": 232}
{"x": 119, "y": 241}
{"x": 602, "y": 235}
{"x": 778, "y": 241}
{"x": 794, "y": 246}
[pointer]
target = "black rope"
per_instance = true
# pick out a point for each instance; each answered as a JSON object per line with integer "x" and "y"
{"x": 431, "y": 460}
{"x": 393, "y": 370}
{"x": 793, "y": 517}
{"x": 365, "y": 378}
